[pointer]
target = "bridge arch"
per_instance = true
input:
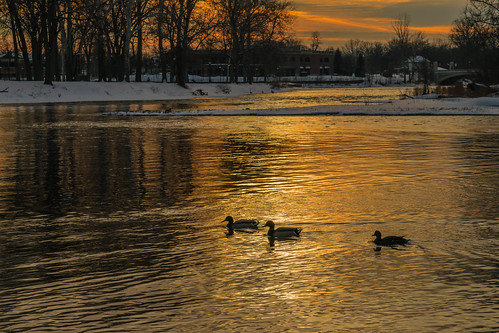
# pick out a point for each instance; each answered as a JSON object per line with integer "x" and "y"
{"x": 451, "y": 76}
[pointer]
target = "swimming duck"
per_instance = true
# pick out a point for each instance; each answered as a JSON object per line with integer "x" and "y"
{"x": 243, "y": 224}
{"x": 282, "y": 232}
{"x": 389, "y": 240}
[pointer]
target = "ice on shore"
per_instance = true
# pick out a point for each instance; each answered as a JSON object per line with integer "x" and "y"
{"x": 24, "y": 92}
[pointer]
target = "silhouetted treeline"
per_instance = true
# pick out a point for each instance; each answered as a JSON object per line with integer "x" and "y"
{"x": 476, "y": 34}
{"x": 473, "y": 44}
{"x": 56, "y": 38}
{"x": 108, "y": 39}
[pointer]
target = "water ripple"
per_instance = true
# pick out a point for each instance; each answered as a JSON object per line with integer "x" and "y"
{"x": 111, "y": 225}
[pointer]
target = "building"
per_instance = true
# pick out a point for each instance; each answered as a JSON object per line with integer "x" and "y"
{"x": 8, "y": 66}
{"x": 305, "y": 63}
{"x": 215, "y": 63}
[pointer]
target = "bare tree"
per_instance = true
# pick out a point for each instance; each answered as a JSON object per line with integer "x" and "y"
{"x": 160, "y": 35}
{"x": 34, "y": 26}
{"x": 50, "y": 30}
{"x": 401, "y": 28}
{"x": 67, "y": 36}
{"x": 243, "y": 23}
{"x": 401, "y": 41}
{"x": 485, "y": 12}
{"x": 97, "y": 11}
{"x": 127, "y": 6}
{"x": 316, "y": 41}
{"x": 375, "y": 57}
{"x": 18, "y": 35}
{"x": 352, "y": 50}
{"x": 185, "y": 24}
{"x": 476, "y": 32}
{"x": 140, "y": 14}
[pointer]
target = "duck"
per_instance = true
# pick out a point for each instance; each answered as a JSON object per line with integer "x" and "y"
{"x": 241, "y": 225}
{"x": 389, "y": 240}
{"x": 282, "y": 232}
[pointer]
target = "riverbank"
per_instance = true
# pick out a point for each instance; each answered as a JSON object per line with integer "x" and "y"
{"x": 405, "y": 107}
{"x": 24, "y": 92}
{"x": 28, "y": 92}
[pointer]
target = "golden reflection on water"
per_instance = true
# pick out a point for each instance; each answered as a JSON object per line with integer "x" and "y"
{"x": 128, "y": 232}
{"x": 328, "y": 170}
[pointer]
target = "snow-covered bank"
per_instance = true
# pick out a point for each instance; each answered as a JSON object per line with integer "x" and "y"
{"x": 13, "y": 92}
{"x": 25, "y": 92}
{"x": 454, "y": 106}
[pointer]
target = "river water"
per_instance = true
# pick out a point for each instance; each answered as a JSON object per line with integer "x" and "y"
{"x": 115, "y": 224}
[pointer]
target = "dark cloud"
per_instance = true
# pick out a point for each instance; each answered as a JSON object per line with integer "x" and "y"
{"x": 426, "y": 13}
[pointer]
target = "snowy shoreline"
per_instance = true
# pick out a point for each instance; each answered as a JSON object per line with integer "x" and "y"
{"x": 24, "y": 92}
{"x": 30, "y": 92}
{"x": 413, "y": 107}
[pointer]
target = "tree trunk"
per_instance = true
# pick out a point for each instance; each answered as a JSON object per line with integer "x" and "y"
{"x": 128, "y": 38}
{"x": 16, "y": 50}
{"x": 67, "y": 53}
{"x": 138, "y": 62}
{"x": 179, "y": 46}
{"x": 162, "y": 58}
{"x": 22, "y": 39}
{"x": 44, "y": 18}
{"x": 69, "y": 60}
{"x": 101, "y": 56}
{"x": 53, "y": 25}
{"x": 36, "y": 47}
{"x": 181, "y": 66}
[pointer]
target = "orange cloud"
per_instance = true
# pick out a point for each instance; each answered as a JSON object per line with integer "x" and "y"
{"x": 380, "y": 26}
{"x": 436, "y": 30}
{"x": 343, "y": 22}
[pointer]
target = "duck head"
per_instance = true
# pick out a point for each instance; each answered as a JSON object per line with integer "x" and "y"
{"x": 229, "y": 219}
{"x": 377, "y": 234}
{"x": 270, "y": 224}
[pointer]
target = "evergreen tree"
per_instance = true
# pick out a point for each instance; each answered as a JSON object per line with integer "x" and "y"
{"x": 360, "y": 68}
{"x": 338, "y": 63}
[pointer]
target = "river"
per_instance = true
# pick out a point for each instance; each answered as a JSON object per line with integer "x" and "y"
{"x": 115, "y": 224}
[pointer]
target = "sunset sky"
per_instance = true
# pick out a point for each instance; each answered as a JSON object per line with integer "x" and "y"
{"x": 341, "y": 20}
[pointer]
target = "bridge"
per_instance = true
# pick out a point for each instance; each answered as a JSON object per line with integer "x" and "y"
{"x": 450, "y": 76}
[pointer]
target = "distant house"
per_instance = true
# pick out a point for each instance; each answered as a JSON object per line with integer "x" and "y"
{"x": 414, "y": 63}
{"x": 415, "y": 69}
